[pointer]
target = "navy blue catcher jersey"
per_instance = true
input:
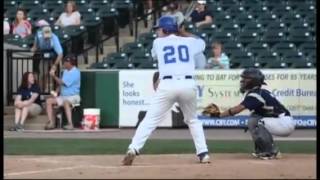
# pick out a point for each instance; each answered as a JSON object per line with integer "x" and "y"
{"x": 261, "y": 102}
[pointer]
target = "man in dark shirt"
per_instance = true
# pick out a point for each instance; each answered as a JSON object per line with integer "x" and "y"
{"x": 201, "y": 15}
{"x": 268, "y": 115}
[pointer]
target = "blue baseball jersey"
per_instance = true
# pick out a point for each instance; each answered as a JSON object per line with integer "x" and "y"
{"x": 261, "y": 102}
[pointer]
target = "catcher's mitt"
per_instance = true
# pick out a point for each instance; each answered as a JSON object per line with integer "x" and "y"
{"x": 212, "y": 110}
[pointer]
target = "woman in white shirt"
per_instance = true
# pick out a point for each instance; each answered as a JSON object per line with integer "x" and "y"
{"x": 70, "y": 17}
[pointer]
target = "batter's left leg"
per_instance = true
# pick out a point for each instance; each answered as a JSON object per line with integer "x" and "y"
{"x": 187, "y": 102}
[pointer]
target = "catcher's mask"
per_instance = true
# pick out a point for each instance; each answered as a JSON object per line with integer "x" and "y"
{"x": 251, "y": 78}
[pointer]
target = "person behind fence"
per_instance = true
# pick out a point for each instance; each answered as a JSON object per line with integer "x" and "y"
{"x": 70, "y": 17}
{"x": 27, "y": 102}
{"x": 175, "y": 12}
{"x": 219, "y": 60}
{"x": 69, "y": 92}
{"x": 46, "y": 48}
{"x": 21, "y": 25}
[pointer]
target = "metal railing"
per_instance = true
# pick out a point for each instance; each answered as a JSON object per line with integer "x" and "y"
{"x": 21, "y": 61}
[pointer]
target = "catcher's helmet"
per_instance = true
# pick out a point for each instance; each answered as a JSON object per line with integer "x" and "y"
{"x": 251, "y": 78}
{"x": 168, "y": 24}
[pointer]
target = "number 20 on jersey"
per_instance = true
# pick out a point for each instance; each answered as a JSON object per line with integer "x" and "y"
{"x": 170, "y": 51}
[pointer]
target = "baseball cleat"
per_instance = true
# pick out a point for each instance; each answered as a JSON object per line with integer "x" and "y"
{"x": 204, "y": 158}
{"x": 128, "y": 159}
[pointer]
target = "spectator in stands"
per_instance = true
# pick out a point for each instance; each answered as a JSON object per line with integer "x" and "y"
{"x": 201, "y": 15}
{"x": 219, "y": 60}
{"x": 70, "y": 17}
{"x": 21, "y": 25}
{"x": 48, "y": 43}
{"x": 174, "y": 11}
{"x": 6, "y": 27}
{"x": 27, "y": 102}
{"x": 70, "y": 92}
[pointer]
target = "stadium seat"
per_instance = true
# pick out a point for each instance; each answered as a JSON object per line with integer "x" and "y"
{"x": 108, "y": 16}
{"x": 232, "y": 46}
{"x": 276, "y": 25}
{"x": 235, "y": 10}
{"x": 124, "y": 8}
{"x": 208, "y": 29}
{"x": 99, "y": 65}
{"x": 270, "y": 60}
{"x": 299, "y": 36}
{"x": 297, "y": 61}
{"x": 291, "y": 18}
{"x": 86, "y": 10}
{"x": 132, "y": 47}
{"x": 222, "y": 37}
{"x": 146, "y": 38}
{"x": 273, "y": 36}
{"x": 93, "y": 25}
{"x": 78, "y": 34}
{"x": 221, "y": 19}
{"x": 253, "y": 27}
{"x": 28, "y": 5}
{"x": 123, "y": 65}
{"x": 243, "y": 18}
{"x": 246, "y": 37}
{"x": 308, "y": 48}
{"x": 148, "y": 65}
{"x": 232, "y": 28}
{"x": 305, "y": 9}
{"x": 140, "y": 57}
{"x": 266, "y": 18}
{"x": 12, "y": 39}
{"x": 52, "y": 5}
{"x": 98, "y": 4}
{"x": 241, "y": 59}
{"x": 281, "y": 10}
{"x": 37, "y": 14}
{"x": 283, "y": 48}
{"x": 113, "y": 58}
{"x": 257, "y": 48}
{"x": 258, "y": 11}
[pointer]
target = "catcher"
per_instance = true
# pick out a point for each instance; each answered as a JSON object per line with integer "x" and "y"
{"x": 268, "y": 116}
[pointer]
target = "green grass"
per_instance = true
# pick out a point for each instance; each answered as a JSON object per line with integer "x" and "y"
{"x": 18, "y": 146}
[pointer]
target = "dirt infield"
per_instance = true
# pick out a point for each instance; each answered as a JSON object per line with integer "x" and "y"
{"x": 231, "y": 166}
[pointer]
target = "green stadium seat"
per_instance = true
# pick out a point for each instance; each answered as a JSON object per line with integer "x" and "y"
{"x": 113, "y": 58}
{"x": 283, "y": 48}
{"x": 99, "y": 4}
{"x": 123, "y": 65}
{"x": 37, "y": 14}
{"x": 246, "y": 37}
{"x": 28, "y": 5}
{"x": 93, "y": 25}
{"x": 305, "y": 9}
{"x": 146, "y": 38}
{"x": 297, "y": 61}
{"x": 258, "y": 11}
{"x": 221, "y": 37}
{"x": 140, "y": 57}
{"x": 273, "y": 36}
{"x": 281, "y": 10}
{"x": 266, "y": 18}
{"x": 232, "y": 28}
{"x": 132, "y": 47}
{"x": 299, "y": 36}
{"x": 253, "y": 27}
{"x": 241, "y": 59}
{"x": 270, "y": 60}
{"x": 291, "y": 18}
{"x": 221, "y": 19}
{"x": 108, "y": 16}
{"x": 52, "y": 5}
{"x": 235, "y": 10}
{"x": 232, "y": 46}
{"x": 148, "y": 65}
{"x": 276, "y": 25}
{"x": 243, "y": 18}
{"x": 308, "y": 48}
{"x": 208, "y": 30}
{"x": 257, "y": 48}
{"x": 99, "y": 65}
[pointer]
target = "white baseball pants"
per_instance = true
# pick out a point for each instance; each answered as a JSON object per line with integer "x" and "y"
{"x": 179, "y": 90}
{"x": 280, "y": 126}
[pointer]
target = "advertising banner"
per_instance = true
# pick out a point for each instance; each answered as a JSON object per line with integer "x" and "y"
{"x": 294, "y": 88}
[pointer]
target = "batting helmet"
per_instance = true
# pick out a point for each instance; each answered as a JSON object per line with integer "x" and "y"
{"x": 168, "y": 24}
{"x": 251, "y": 78}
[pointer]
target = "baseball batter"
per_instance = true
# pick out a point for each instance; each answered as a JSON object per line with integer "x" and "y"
{"x": 175, "y": 54}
